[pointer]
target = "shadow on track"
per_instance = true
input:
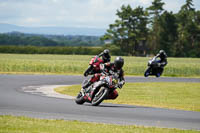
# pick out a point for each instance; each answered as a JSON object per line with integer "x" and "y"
{"x": 116, "y": 106}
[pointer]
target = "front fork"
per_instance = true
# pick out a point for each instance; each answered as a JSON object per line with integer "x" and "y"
{"x": 87, "y": 94}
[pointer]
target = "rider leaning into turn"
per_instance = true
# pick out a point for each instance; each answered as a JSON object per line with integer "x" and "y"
{"x": 163, "y": 60}
{"x": 110, "y": 68}
{"x": 116, "y": 67}
{"x": 105, "y": 58}
{"x": 92, "y": 70}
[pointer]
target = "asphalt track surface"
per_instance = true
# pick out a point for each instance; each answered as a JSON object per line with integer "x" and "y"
{"x": 13, "y": 101}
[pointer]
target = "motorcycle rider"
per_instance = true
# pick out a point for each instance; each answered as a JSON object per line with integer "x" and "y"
{"x": 92, "y": 69}
{"x": 110, "y": 68}
{"x": 105, "y": 55}
{"x": 116, "y": 67}
{"x": 163, "y": 60}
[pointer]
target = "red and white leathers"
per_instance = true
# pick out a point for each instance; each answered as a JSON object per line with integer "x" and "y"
{"x": 110, "y": 69}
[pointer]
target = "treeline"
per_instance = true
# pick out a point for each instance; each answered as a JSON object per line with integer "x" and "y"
{"x": 142, "y": 31}
{"x": 138, "y": 32}
{"x": 22, "y": 39}
{"x": 79, "y": 50}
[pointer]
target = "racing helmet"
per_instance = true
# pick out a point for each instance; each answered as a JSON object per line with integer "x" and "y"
{"x": 106, "y": 56}
{"x": 162, "y": 54}
{"x": 119, "y": 62}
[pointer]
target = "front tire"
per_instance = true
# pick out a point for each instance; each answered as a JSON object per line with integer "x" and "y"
{"x": 80, "y": 99}
{"x": 147, "y": 72}
{"x": 100, "y": 96}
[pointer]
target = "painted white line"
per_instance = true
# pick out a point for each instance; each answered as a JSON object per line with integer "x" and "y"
{"x": 46, "y": 90}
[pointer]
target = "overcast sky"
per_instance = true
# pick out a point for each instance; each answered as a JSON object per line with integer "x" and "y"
{"x": 72, "y": 13}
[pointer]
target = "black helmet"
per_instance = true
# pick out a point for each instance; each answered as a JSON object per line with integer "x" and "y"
{"x": 106, "y": 51}
{"x": 162, "y": 54}
{"x": 119, "y": 62}
{"x": 106, "y": 55}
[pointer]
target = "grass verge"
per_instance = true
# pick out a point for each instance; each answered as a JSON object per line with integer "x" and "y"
{"x": 77, "y": 64}
{"x": 12, "y": 124}
{"x": 173, "y": 95}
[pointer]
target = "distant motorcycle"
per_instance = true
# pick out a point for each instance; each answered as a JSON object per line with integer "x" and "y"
{"x": 98, "y": 91}
{"x": 154, "y": 68}
{"x": 94, "y": 66}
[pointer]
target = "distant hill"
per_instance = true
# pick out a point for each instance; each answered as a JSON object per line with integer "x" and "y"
{"x": 4, "y": 28}
{"x": 23, "y": 39}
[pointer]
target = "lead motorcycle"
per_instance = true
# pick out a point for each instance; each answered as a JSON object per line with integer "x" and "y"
{"x": 154, "y": 68}
{"x": 98, "y": 91}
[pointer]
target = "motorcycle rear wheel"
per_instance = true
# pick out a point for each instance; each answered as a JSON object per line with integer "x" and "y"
{"x": 100, "y": 96}
{"x": 158, "y": 75}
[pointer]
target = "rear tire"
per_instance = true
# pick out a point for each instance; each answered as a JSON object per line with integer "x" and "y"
{"x": 80, "y": 99}
{"x": 100, "y": 96}
{"x": 159, "y": 72}
{"x": 158, "y": 75}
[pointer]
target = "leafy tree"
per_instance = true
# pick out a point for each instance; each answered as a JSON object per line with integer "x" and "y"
{"x": 129, "y": 30}
{"x": 154, "y": 11}
{"x": 168, "y": 33}
{"x": 178, "y": 34}
{"x": 188, "y": 31}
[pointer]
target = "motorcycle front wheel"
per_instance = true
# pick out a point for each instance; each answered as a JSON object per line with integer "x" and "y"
{"x": 100, "y": 96}
{"x": 80, "y": 99}
{"x": 147, "y": 72}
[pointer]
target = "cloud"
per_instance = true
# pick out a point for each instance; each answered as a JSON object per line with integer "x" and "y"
{"x": 77, "y": 13}
{"x": 89, "y": 13}
{"x": 145, "y": 2}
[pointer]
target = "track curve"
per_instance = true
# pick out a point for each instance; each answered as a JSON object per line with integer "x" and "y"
{"x": 14, "y": 101}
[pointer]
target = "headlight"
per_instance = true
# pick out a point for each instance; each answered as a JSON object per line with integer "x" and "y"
{"x": 115, "y": 81}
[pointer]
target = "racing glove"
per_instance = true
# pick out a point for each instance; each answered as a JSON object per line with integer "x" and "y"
{"x": 120, "y": 84}
{"x": 85, "y": 74}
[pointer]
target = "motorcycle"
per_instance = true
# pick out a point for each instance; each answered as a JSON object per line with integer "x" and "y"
{"x": 154, "y": 68}
{"x": 98, "y": 91}
{"x": 94, "y": 66}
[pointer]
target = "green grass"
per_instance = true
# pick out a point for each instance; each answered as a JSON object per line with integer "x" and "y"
{"x": 184, "y": 96}
{"x": 60, "y": 64}
{"x": 77, "y": 64}
{"x": 11, "y": 124}
{"x": 184, "y": 67}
